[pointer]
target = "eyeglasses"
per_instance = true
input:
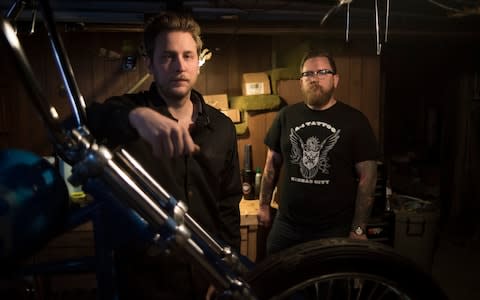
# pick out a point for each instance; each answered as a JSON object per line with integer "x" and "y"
{"x": 320, "y": 73}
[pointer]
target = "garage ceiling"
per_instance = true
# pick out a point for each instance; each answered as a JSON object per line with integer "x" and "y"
{"x": 427, "y": 17}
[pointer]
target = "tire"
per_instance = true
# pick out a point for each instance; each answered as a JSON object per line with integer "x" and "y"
{"x": 341, "y": 269}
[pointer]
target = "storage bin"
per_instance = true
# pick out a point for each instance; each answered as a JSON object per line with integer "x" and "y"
{"x": 416, "y": 232}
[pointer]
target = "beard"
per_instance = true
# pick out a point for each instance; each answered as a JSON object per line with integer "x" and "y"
{"x": 316, "y": 95}
{"x": 174, "y": 94}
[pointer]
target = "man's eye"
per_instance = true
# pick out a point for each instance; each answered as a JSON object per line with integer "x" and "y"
{"x": 308, "y": 74}
{"x": 166, "y": 57}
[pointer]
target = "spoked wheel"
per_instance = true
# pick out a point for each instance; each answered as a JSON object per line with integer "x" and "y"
{"x": 341, "y": 269}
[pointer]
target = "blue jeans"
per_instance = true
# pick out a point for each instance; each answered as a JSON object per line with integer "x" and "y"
{"x": 285, "y": 234}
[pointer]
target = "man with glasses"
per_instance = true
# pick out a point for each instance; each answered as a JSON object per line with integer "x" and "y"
{"x": 329, "y": 154}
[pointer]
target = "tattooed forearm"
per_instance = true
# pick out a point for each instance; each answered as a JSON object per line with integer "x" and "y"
{"x": 271, "y": 172}
{"x": 367, "y": 173}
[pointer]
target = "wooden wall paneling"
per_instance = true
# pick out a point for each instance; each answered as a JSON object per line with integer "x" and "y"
{"x": 240, "y": 145}
{"x": 5, "y": 86}
{"x": 217, "y": 75}
{"x": 370, "y": 104}
{"x": 123, "y": 79}
{"x": 254, "y": 54}
{"x": 99, "y": 91}
{"x": 5, "y": 111}
{"x": 268, "y": 119}
{"x": 90, "y": 92}
{"x": 112, "y": 82}
{"x": 201, "y": 84}
{"x": 7, "y": 115}
{"x": 31, "y": 131}
{"x": 257, "y": 127}
{"x": 80, "y": 56}
{"x": 140, "y": 70}
{"x": 8, "y": 97}
{"x": 144, "y": 71}
{"x": 223, "y": 66}
{"x": 104, "y": 54}
{"x": 234, "y": 61}
{"x": 260, "y": 124}
{"x": 97, "y": 70}
{"x": 342, "y": 92}
{"x": 356, "y": 81}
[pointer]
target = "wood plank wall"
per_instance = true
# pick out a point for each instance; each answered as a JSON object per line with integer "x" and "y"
{"x": 99, "y": 75}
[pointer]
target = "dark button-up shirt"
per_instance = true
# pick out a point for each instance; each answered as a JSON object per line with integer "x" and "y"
{"x": 208, "y": 181}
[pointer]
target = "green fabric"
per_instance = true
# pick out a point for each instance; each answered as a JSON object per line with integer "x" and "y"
{"x": 255, "y": 102}
{"x": 241, "y": 128}
{"x": 282, "y": 74}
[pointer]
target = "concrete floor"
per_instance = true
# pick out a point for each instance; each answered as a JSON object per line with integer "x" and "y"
{"x": 456, "y": 265}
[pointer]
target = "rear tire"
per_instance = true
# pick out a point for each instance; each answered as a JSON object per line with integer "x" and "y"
{"x": 341, "y": 269}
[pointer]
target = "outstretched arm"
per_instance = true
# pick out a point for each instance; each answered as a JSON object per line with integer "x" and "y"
{"x": 270, "y": 176}
{"x": 166, "y": 136}
{"x": 367, "y": 174}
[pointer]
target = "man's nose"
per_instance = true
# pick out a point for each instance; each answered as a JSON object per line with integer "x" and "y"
{"x": 180, "y": 63}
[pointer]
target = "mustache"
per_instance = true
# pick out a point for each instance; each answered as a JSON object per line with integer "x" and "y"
{"x": 181, "y": 77}
{"x": 315, "y": 86}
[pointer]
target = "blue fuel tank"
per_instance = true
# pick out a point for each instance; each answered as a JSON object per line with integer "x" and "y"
{"x": 33, "y": 204}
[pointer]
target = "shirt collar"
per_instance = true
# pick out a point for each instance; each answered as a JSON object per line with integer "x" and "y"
{"x": 159, "y": 103}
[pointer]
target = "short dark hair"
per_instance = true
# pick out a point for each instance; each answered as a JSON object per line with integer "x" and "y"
{"x": 168, "y": 22}
{"x": 319, "y": 53}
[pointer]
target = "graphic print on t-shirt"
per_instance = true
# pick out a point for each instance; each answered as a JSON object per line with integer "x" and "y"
{"x": 311, "y": 154}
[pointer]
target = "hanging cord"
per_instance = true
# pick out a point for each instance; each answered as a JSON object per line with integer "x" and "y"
{"x": 445, "y": 6}
{"x": 334, "y": 9}
{"x": 377, "y": 29}
{"x": 34, "y": 19}
{"x": 347, "y": 27}
{"x": 387, "y": 18}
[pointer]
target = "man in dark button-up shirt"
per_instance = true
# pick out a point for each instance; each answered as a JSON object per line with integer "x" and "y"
{"x": 189, "y": 147}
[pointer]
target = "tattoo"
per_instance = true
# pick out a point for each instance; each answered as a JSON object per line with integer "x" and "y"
{"x": 367, "y": 173}
{"x": 270, "y": 176}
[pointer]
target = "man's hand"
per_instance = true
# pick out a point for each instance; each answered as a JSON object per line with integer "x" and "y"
{"x": 264, "y": 216}
{"x": 210, "y": 293}
{"x": 354, "y": 236}
{"x": 165, "y": 135}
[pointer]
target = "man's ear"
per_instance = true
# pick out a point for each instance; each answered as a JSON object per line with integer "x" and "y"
{"x": 148, "y": 62}
{"x": 336, "y": 79}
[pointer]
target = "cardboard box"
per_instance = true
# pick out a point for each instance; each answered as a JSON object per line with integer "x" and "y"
{"x": 255, "y": 84}
{"x": 233, "y": 114}
{"x": 289, "y": 91}
{"x": 248, "y": 241}
{"x": 219, "y": 101}
{"x": 248, "y": 228}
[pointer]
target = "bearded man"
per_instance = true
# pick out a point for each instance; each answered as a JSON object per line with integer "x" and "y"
{"x": 330, "y": 153}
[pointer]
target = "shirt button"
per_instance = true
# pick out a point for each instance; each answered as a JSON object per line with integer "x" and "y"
{"x": 190, "y": 194}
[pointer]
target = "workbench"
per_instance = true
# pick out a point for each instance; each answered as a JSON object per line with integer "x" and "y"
{"x": 248, "y": 228}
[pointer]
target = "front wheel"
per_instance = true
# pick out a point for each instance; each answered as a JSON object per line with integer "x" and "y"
{"x": 341, "y": 269}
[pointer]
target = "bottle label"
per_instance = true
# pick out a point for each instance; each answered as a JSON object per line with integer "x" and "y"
{"x": 246, "y": 188}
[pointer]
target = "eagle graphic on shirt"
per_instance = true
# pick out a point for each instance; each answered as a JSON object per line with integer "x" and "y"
{"x": 312, "y": 155}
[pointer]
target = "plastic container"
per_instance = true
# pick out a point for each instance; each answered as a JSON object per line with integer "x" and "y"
{"x": 258, "y": 182}
{"x": 416, "y": 230}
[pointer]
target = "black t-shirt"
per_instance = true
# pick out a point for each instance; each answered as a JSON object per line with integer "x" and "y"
{"x": 319, "y": 151}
